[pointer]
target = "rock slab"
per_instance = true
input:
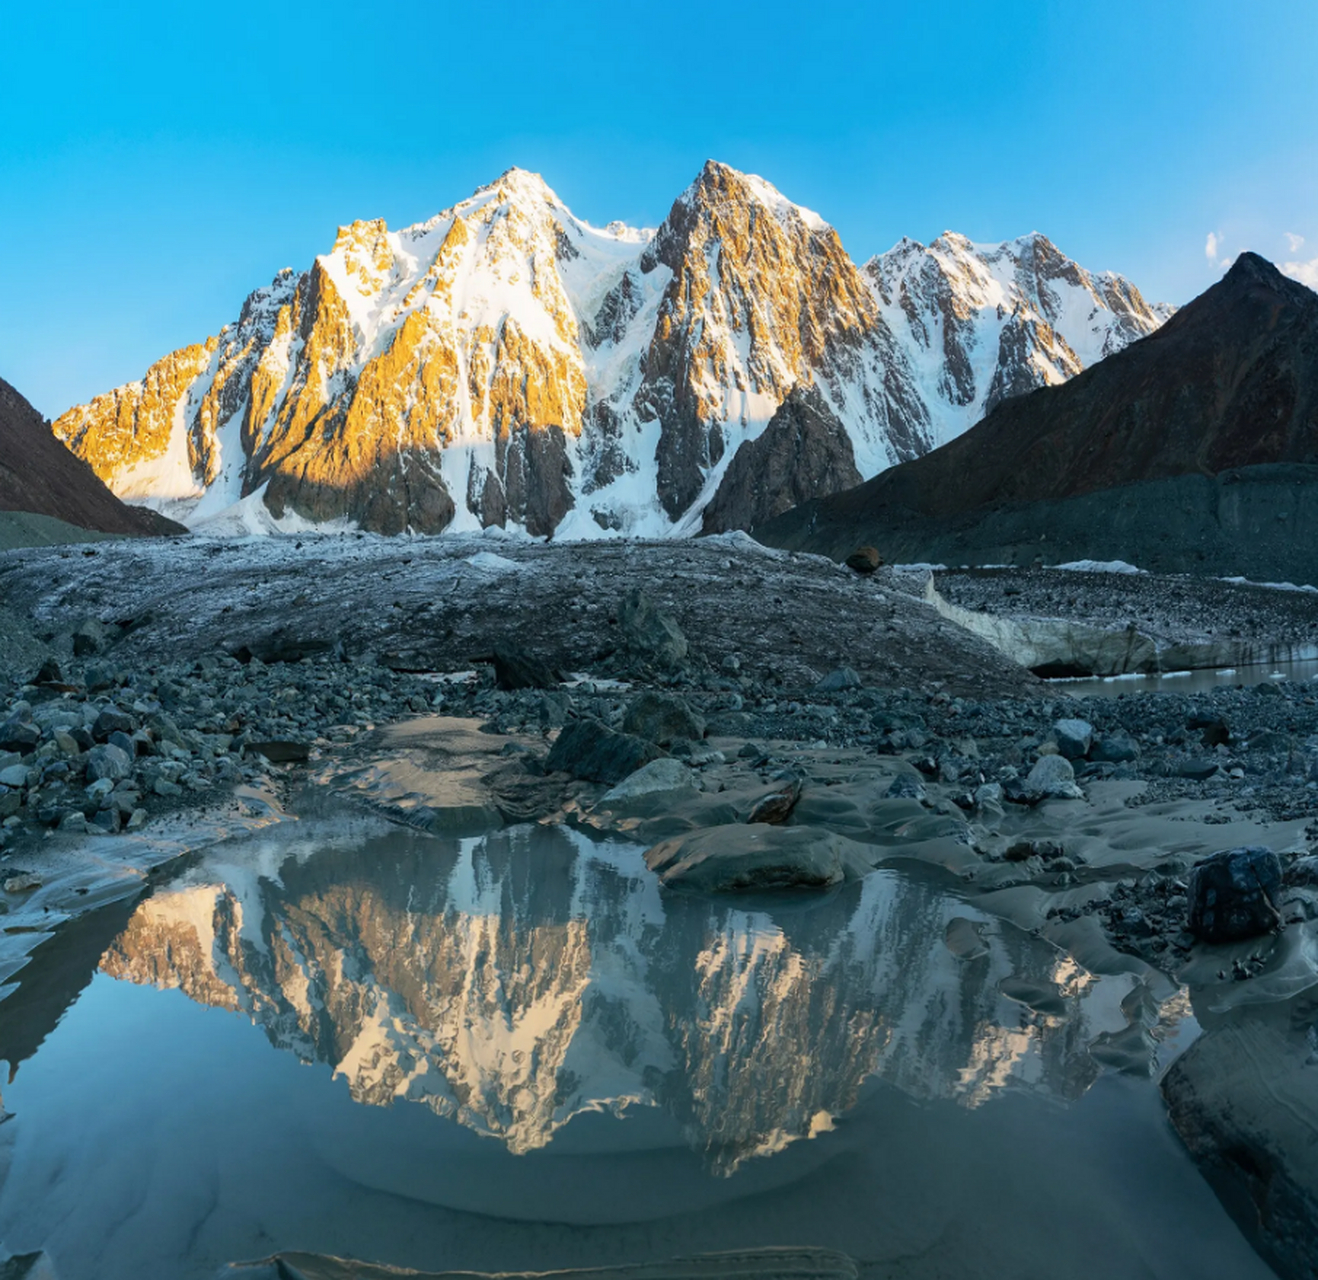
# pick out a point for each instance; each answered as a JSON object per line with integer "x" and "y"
{"x": 592, "y": 751}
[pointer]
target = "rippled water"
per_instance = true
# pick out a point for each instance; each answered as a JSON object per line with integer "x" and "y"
{"x": 515, "y": 1052}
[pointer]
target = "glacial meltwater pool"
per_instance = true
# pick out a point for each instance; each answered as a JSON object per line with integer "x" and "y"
{"x": 515, "y": 1053}
{"x": 1202, "y": 680}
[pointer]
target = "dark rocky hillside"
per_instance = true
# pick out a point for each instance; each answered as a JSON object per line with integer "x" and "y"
{"x": 1195, "y": 449}
{"x": 39, "y": 476}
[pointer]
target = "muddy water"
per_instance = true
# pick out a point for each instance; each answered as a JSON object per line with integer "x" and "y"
{"x": 515, "y": 1052}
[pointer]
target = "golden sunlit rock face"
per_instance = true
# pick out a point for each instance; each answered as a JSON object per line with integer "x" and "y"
{"x": 127, "y": 432}
{"x": 507, "y": 364}
{"x": 773, "y": 279}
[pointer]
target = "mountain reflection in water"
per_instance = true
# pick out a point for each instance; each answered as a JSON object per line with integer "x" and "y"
{"x": 517, "y": 980}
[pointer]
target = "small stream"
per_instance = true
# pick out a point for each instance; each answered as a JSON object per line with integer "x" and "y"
{"x": 514, "y": 1052}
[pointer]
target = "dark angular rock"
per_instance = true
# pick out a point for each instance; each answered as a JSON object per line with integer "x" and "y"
{"x": 112, "y": 720}
{"x": 1233, "y": 895}
{"x": 649, "y": 633}
{"x": 514, "y": 669}
{"x": 281, "y": 751}
{"x": 88, "y": 638}
{"x": 662, "y": 718}
{"x": 1074, "y": 738}
{"x": 50, "y": 673}
{"x": 17, "y": 736}
{"x": 1114, "y": 748}
{"x": 590, "y": 750}
{"x": 125, "y": 744}
{"x": 1214, "y": 732}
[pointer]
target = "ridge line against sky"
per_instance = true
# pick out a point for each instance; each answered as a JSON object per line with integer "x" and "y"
{"x": 158, "y": 166}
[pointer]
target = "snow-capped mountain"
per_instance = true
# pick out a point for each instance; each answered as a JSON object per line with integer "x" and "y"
{"x": 980, "y": 323}
{"x": 506, "y": 363}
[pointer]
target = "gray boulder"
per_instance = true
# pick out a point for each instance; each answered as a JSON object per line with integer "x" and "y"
{"x": 649, "y": 633}
{"x": 1115, "y": 748}
{"x": 592, "y": 751}
{"x": 726, "y": 859}
{"x": 838, "y": 681}
{"x": 650, "y": 779}
{"x": 1052, "y": 778}
{"x": 15, "y": 776}
{"x": 109, "y": 762}
{"x": 15, "y": 735}
{"x": 662, "y": 718}
{"x": 1074, "y": 738}
{"x": 88, "y": 637}
{"x": 1233, "y": 895}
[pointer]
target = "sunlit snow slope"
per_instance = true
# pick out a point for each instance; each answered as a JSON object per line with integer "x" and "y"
{"x": 506, "y": 364}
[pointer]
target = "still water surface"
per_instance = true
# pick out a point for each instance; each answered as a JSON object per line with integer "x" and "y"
{"x": 515, "y": 1052}
{"x": 1203, "y": 681}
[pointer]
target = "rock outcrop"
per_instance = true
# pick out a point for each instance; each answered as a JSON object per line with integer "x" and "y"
{"x": 804, "y": 453}
{"x": 505, "y": 363}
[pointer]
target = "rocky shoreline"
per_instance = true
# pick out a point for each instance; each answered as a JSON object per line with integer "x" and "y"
{"x": 774, "y": 747}
{"x": 103, "y": 735}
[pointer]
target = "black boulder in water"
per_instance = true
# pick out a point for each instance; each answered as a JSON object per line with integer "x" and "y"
{"x": 1233, "y": 895}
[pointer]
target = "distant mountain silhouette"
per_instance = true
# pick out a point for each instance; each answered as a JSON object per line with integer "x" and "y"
{"x": 40, "y": 476}
{"x": 1195, "y": 448}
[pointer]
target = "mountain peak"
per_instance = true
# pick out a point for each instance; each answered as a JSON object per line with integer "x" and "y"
{"x": 720, "y": 184}
{"x": 589, "y": 378}
{"x": 1250, "y": 268}
{"x": 521, "y": 184}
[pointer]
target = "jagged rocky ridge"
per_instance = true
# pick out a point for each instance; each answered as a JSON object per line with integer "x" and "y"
{"x": 1193, "y": 451}
{"x": 505, "y": 363}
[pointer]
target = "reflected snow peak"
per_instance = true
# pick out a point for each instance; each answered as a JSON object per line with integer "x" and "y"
{"x": 513, "y": 982}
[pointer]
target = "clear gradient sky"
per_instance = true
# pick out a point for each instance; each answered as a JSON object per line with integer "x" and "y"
{"x": 158, "y": 161}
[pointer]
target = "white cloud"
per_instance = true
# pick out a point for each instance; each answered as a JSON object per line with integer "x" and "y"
{"x": 1296, "y": 242}
{"x": 1304, "y": 272}
{"x": 1211, "y": 246}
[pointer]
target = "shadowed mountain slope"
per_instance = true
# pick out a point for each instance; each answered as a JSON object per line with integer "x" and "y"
{"x": 1194, "y": 448}
{"x": 40, "y": 477}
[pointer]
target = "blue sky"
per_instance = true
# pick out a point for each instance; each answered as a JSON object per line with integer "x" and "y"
{"x": 157, "y": 162}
